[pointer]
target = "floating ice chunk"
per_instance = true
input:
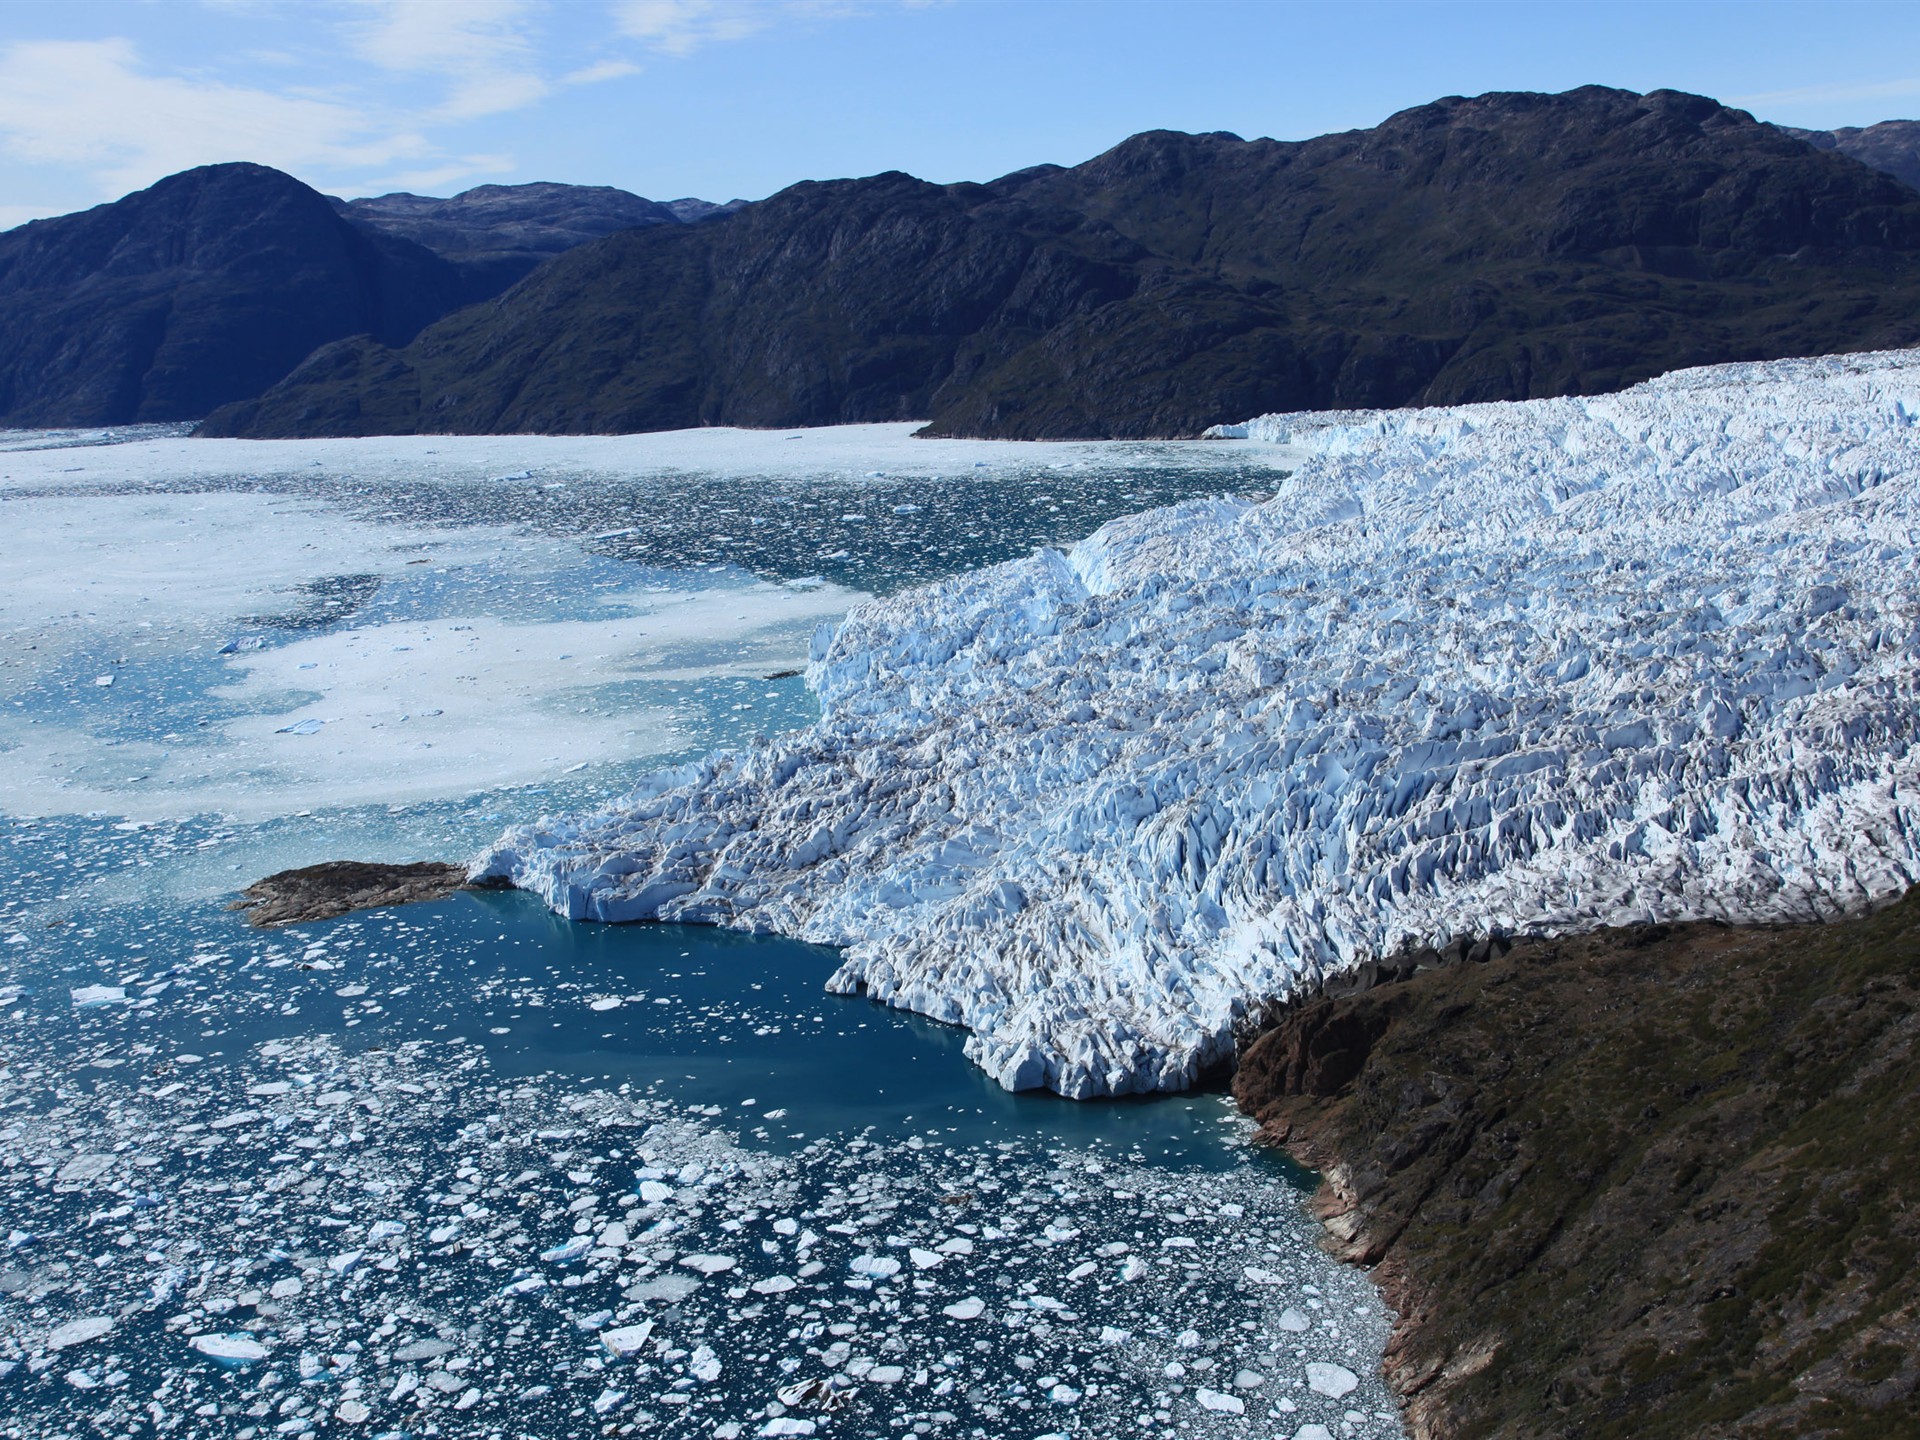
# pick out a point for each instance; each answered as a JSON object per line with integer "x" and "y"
{"x": 1248, "y": 1379}
{"x": 886, "y": 1374}
{"x": 78, "y": 1332}
{"x": 968, "y": 1309}
{"x": 607, "y": 1399}
{"x": 352, "y": 1412}
{"x": 1313, "y": 1432}
{"x": 788, "y": 1425}
{"x": 925, "y": 1259}
{"x": 1294, "y": 1320}
{"x": 1063, "y": 1394}
{"x": 1333, "y": 1381}
{"x": 652, "y": 1192}
{"x": 99, "y": 995}
{"x": 1224, "y": 1404}
{"x": 85, "y": 1167}
{"x": 301, "y": 727}
{"x": 709, "y": 1264}
{"x": 704, "y": 1365}
{"x": 345, "y": 1261}
{"x": 386, "y": 1230}
{"x": 1262, "y": 1277}
{"x": 525, "y": 1285}
{"x": 233, "y": 1350}
{"x": 1111, "y": 1335}
{"x": 626, "y": 1341}
{"x": 568, "y": 1251}
{"x": 286, "y": 1289}
{"x": 874, "y": 1267}
{"x": 606, "y": 1002}
{"x": 775, "y": 1285}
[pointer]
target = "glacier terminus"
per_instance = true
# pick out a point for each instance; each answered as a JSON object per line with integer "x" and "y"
{"x": 1504, "y": 668}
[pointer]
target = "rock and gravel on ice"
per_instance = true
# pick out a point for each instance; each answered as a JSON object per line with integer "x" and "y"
{"x": 1505, "y": 667}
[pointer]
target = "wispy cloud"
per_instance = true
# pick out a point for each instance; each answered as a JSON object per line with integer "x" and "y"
{"x": 482, "y": 48}
{"x": 1838, "y": 93}
{"x": 92, "y": 106}
{"x": 605, "y": 70}
{"x": 680, "y": 27}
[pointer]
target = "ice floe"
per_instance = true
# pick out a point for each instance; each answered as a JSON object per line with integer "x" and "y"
{"x": 276, "y": 1277}
{"x": 1519, "y": 667}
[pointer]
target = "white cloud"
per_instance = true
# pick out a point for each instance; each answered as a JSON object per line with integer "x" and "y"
{"x": 483, "y": 47}
{"x": 680, "y": 27}
{"x": 89, "y": 105}
{"x": 605, "y": 70}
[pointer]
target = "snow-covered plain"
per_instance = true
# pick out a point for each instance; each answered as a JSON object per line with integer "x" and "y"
{"x": 1522, "y": 667}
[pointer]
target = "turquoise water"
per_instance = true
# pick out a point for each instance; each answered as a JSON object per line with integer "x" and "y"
{"x": 693, "y": 1014}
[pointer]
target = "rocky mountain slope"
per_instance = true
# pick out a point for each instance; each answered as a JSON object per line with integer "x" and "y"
{"x": 1892, "y": 146}
{"x": 1533, "y": 667}
{"x": 496, "y": 234}
{"x": 1646, "y": 1183}
{"x": 1508, "y": 246}
{"x": 211, "y": 285}
{"x": 205, "y": 288}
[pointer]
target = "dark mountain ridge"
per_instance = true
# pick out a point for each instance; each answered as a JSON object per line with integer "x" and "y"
{"x": 1891, "y": 147}
{"x": 1503, "y": 247}
{"x": 205, "y": 288}
{"x": 212, "y": 284}
{"x": 496, "y": 234}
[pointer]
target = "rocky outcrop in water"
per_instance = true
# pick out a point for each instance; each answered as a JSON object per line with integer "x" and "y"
{"x": 339, "y": 887}
{"x": 1649, "y": 1182}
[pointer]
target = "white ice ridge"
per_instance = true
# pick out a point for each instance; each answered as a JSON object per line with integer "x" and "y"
{"x": 1525, "y": 667}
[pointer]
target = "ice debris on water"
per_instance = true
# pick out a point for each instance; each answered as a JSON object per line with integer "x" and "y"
{"x": 1502, "y": 667}
{"x": 292, "y": 1273}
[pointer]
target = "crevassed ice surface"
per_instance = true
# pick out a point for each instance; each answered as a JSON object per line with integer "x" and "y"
{"x": 1522, "y": 667}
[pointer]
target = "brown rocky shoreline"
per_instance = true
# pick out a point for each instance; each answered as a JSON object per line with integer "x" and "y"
{"x": 1647, "y": 1182}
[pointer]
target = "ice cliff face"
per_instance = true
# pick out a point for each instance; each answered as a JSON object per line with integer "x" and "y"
{"x": 1521, "y": 666}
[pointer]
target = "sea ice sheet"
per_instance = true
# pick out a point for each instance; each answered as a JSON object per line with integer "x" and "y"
{"x": 1526, "y": 667}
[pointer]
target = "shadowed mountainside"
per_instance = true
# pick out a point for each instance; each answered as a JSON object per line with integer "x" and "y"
{"x": 214, "y": 283}
{"x": 1644, "y": 1183}
{"x": 1503, "y": 247}
{"x": 496, "y": 234}
{"x": 1892, "y": 146}
{"x": 205, "y": 288}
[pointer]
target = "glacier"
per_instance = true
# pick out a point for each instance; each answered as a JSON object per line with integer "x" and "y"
{"x": 1505, "y": 668}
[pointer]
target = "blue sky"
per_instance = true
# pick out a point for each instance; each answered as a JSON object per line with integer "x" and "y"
{"x": 720, "y": 98}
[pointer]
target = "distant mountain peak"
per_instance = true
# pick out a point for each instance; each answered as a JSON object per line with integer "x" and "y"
{"x": 1891, "y": 147}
